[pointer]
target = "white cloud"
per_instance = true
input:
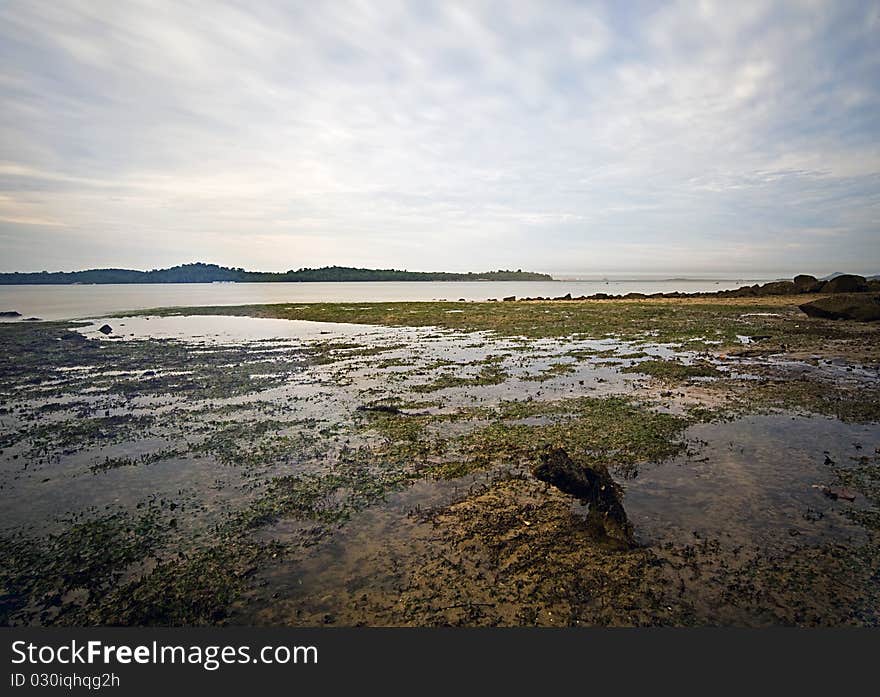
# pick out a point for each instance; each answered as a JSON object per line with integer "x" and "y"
{"x": 439, "y": 135}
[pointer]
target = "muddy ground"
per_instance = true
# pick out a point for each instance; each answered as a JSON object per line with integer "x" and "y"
{"x": 371, "y": 465}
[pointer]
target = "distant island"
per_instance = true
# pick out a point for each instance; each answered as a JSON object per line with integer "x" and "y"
{"x": 212, "y": 273}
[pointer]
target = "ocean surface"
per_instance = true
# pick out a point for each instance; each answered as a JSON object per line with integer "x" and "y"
{"x": 87, "y": 301}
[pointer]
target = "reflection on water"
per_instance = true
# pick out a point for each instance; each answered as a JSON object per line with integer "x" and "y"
{"x": 751, "y": 481}
{"x": 220, "y": 329}
{"x": 747, "y": 485}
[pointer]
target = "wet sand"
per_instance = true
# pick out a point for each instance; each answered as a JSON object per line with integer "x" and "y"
{"x": 223, "y": 469}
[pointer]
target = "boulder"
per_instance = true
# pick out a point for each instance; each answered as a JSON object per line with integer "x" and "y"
{"x": 861, "y": 308}
{"x": 106, "y": 329}
{"x": 806, "y": 283}
{"x": 509, "y": 298}
{"x": 10, "y": 313}
{"x": 846, "y": 283}
{"x": 593, "y": 486}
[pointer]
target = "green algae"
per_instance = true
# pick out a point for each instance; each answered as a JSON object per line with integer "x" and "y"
{"x": 704, "y": 322}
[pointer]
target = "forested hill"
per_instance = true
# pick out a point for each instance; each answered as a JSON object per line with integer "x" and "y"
{"x": 209, "y": 273}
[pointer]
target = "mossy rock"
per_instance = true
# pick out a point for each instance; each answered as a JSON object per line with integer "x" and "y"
{"x": 861, "y": 308}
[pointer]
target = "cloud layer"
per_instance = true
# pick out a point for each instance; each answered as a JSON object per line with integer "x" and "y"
{"x": 697, "y": 136}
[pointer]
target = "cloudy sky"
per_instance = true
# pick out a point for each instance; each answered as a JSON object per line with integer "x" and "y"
{"x": 692, "y": 136}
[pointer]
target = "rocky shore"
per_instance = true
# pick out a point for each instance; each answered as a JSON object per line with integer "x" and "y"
{"x": 859, "y": 297}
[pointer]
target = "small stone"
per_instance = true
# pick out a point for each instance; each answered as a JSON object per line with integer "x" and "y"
{"x": 836, "y": 493}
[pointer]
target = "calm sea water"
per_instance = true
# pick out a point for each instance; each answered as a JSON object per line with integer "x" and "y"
{"x": 69, "y": 302}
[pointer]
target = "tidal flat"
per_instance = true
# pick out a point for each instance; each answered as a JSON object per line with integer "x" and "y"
{"x": 373, "y": 464}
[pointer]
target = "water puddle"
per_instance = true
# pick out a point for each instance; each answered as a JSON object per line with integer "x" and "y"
{"x": 751, "y": 482}
{"x": 747, "y": 485}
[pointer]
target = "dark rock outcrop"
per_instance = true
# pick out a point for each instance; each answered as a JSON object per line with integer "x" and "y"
{"x": 863, "y": 307}
{"x": 778, "y": 288}
{"x": 846, "y": 283}
{"x": 806, "y": 283}
{"x": 10, "y": 313}
{"x": 802, "y": 284}
{"x": 106, "y": 329}
{"x": 593, "y": 486}
{"x": 509, "y": 298}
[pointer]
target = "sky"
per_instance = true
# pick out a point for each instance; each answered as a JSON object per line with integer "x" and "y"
{"x": 580, "y": 136}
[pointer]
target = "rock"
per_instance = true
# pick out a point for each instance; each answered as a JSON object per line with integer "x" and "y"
{"x": 835, "y": 493}
{"x": 592, "y": 485}
{"x": 806, "y": 283}
{"x": 32, "y": 319}
{"x": 778, "y": 288}
{"x": 10, "y": 313}
{"x": 846, "y": 283}
{"x": 634, "y": 296}
{"x": 861, "y": 308}
{"x": 509, "y": 299}
{"x": 381, "y": 408}
{"x": 106, "y": 329}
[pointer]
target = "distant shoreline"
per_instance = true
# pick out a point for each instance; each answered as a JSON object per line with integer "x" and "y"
{"x": 212, "y": 273}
